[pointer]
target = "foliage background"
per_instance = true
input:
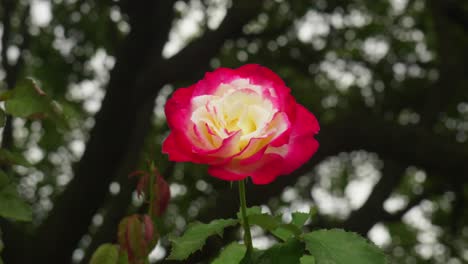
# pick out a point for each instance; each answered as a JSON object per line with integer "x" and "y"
{"x": 386, "y": 79}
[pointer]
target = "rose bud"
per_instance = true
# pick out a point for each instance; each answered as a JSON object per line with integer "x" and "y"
{"x": 162, "y": 195}
{"x": 137, "y": 237}
{"x": 161, "y": 190}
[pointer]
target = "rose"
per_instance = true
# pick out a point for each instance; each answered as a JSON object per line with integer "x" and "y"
{"x": 241, "y": 122}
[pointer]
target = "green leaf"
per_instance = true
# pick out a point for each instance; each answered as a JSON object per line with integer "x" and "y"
{"x": 12, "y": 206}
{"x": 106, "y": 254}
{"x": 252, "y": 257}
{"x": 26, "y": 100}
{"x": 286, "y": 231}
{"x": 265, "y": 221}
{"x": 250, "y": 211}
{"x": 232, "y": 254}
{"x": 195, "y": 236}
{"x": 299, "y": 219}
{"x": 289, "y": 252}
{"x": 340, "y": 247}
{"x": 13, "y": 158}
{"x": 307, "y": 259}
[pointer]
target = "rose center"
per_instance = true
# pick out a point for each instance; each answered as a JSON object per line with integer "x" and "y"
{"x": 238, "y": 109}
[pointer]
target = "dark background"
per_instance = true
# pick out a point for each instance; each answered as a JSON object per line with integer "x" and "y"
{"x": 387, "y": 81}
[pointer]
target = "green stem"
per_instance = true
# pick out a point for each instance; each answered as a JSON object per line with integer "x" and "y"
{"x": 151, "y": 192}
{"x": 245, "y": 222}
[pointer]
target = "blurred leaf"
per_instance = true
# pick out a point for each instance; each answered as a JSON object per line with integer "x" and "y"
{"x": 26, "y": 100}
{"x": 265, "y": 221}
{"x": 252, "y": 257}
{"x": 289, "y": 252}
{"x": 250, "y": 211}
{"x": 299, "y": 218}
{"x": 286, "y": 231}
{"x": 106, "y": 254}
{"x": 195, "y": 236}
{"x": 306, "y": 259}
{"x": 232, "y": 254}
{"x": 51, "y": 139}
{"x": 4, "y": 180}
{"x": 340, "y": 247}
{"x": 12, "y": 206}
{"x": 13, "y": 158}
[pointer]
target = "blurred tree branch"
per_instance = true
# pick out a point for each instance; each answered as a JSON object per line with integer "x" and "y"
{"x": 194, "y": 59}
{"x": 115, "y": 142}
{"x": 112, "y": 142}
{"x": 449, "y": 47}
{"x": 455, "y": 12}
{"x": 122, "y": 124}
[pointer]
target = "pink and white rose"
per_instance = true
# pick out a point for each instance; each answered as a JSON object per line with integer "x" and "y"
{"x": 241, "y": 122}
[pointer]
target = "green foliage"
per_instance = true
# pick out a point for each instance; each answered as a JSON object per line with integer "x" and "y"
{"x": 299, "y": 218}
{"x": 12, "y": 206}
{"x": 266, "y": 221}
{"x": 289, "y": 252}
{"x": 195, "y": 236}
{"x": 28, "y": 100}
{"x": 13, "y": 158}
{"x": 288, "y": 231}
{"x": 254, "y": 210}
{"x": 108, "y": 254}
{"x": 232, "y": 254}
{"x": 4, "y": 179}
{"x": 325, "y": 246}
{"x": 340, "y": 247}
{"x": 307, "y": 259}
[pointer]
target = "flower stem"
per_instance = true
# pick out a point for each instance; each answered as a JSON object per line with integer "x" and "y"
{"x": 152, "y": 177}
{"x": 245, "y": 222}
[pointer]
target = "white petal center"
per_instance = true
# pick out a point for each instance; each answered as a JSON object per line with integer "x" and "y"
{"x": 237, "y": 106}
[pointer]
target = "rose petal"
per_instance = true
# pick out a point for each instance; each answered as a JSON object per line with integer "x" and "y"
{"x": 223, "y": 174}
{"x": 212, "y": 80}
{"x": 176, "y": 149}
{"x": 302, "y": 144}
{"x": 272, "y": 85}
{"x": 226, "y": 151}
{"x": 178, "y": 108}
{"x": 263, "y": 171}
